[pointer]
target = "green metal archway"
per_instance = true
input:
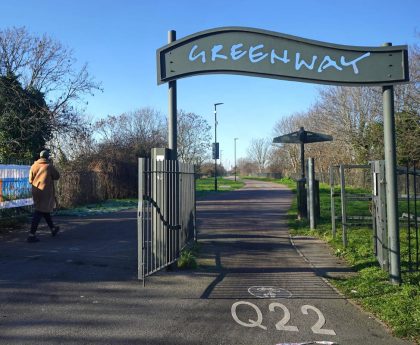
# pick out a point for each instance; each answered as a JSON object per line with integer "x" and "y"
{"x": 268, "y": 54}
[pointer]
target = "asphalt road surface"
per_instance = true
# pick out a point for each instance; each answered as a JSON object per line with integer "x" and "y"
{"x": 257, "y": 286}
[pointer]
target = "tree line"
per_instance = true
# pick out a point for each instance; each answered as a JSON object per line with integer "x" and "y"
{"x": 42, "y": 104}
{"x": 41, "y": 92}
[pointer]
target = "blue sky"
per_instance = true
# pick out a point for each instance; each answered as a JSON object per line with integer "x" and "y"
{"x": 119, "y": 39}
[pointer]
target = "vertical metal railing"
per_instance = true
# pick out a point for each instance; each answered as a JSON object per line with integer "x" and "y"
{"x": 332, "y": 194}
{"x": 407, "y": 181}
{"x": 416, "y": 224}
{"x": 166, "y": 213}
{"x": 343, "y": 206}
{"x": 408, "y": 190}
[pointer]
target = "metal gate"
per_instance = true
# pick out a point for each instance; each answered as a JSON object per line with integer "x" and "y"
{"x": 408, "y": 192}
{"x": 166, "y": 213}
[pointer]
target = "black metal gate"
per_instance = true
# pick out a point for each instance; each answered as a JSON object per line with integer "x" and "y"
{"x": 166, "y": 213}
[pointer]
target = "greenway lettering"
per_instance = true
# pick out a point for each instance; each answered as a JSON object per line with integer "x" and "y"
{"x": 258, "y": 53}
{"x": 267, "y": 54}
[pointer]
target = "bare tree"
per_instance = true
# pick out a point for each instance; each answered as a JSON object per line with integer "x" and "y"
{"x": 135, "y": 133}
{"x": 247, "y": 167}
{"x": 75, "y": 146}
{"x": 46, "y": 65}
{"x": 259, "y": 152}
{"x": 193, "y": 138}
{"x": 325, "y": 154}
{"x": 139, "y": 131}
{"x": 353, "y": 116}
{"x": 349, "y": 112}
{"x": 407, "y": 118}
{"x": 288, "y": 154}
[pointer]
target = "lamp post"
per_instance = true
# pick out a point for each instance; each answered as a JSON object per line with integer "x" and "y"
{"x": 235, "y": 154}
{"x": 216, "y": 151}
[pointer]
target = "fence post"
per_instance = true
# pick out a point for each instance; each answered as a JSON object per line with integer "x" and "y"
{"x": 140, "y": 215}
{"x": 343, "y": 205}
{"x": 195, "y": 203}
{"x": 332, "y": 201}
{"x": 415, "y": 214}
{"x": 407, "y": 181}
{"x": 311, "y": 193}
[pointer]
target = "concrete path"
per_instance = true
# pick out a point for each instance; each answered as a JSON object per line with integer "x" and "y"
{"x": 255, "y": 288}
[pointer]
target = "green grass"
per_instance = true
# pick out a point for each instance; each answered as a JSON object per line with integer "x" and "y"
{"x": 206, "y": 185}
{"x": 284, "y": 180}
{"x": 188, "y": 257}
{"x": 112, "y": 205}
{"x": 203, "y": 186}
{"x": 396, "y": 305}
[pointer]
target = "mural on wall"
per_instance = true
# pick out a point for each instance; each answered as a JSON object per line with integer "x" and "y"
{"x": 15, "y": 190}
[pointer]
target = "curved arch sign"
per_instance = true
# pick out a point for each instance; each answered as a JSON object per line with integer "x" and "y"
{"x": 261, "y": 53}
{"x": 268, "y": 54}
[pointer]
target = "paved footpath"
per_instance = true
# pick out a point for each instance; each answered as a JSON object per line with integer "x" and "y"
{"x": 257, "y": 286}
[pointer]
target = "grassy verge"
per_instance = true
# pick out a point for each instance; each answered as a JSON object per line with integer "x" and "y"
{"x": 397, "y": 306}
{"x": 98, "y": 208}
{"x": 206, "y": 185}
{"x": 203, "y": 186}
{"x": 285, "y": 180}
{"x": 20, "y": 216}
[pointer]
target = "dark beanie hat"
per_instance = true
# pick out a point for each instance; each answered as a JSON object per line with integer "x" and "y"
{"x": 44, "y": 154}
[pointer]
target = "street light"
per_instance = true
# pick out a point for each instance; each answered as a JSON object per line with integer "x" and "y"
{"x": 235, "y": 154}
{"x": 216, "y": 148}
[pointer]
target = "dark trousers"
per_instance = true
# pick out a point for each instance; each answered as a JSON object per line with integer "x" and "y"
{"x": 37, "y": 218}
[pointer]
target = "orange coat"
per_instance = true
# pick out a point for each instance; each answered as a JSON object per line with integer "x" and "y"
{"x": 41, "y": 177}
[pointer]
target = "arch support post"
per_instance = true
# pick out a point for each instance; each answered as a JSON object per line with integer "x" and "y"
{"x": 172, "y": 109}
{"x": 391, "y": 184}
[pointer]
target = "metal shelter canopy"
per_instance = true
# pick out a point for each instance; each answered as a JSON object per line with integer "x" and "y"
{"x": 302, "y": 137}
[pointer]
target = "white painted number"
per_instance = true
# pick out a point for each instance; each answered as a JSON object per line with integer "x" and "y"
{"x": 252, "y": 323}
{"x": 281, "y": 325}
{"x": 317, "y": 328}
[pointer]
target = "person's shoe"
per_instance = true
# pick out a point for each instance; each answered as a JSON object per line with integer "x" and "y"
{"x": 32, "y": 239}
{"x": 55, "y": 230}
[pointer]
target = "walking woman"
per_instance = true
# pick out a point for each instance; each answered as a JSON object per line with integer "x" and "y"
{"x": 42, "y": 176}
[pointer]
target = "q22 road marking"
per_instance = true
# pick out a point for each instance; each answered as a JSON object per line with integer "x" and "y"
{"x": 282, "y": 325}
